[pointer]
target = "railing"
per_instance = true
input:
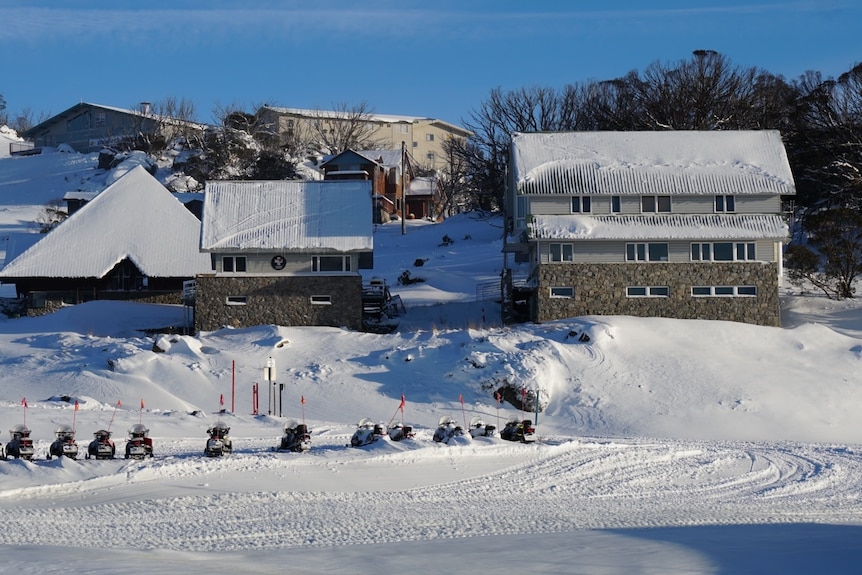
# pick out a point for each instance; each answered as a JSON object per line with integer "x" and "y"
{"x": 23, "y": 148}
{"x": 489, "y": 290}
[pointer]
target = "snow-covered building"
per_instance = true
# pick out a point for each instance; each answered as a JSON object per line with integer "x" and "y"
{"x": 681, "y": 224}
{"x": 133, "y": 241}
{"x": 88, "y": 127}
{"x": 424, "y": 137}
{"x": 284, "y": 253}
{"x": 387, "y": 170}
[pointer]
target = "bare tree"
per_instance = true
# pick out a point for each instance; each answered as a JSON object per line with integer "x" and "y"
{"x": 344, "y": 127}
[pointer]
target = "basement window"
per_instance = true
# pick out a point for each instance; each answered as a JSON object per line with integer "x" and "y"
{"x": 321, "y": 300}
{"x": 563, "y": 292}
{"x": 236, "y": 300}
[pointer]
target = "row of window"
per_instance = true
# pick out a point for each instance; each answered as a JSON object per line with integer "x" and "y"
{"x": 724, "y": 203}
{"x": 664, "y": 291}
{"x": 237, "y": 264}
{"x": 658, "y": 252}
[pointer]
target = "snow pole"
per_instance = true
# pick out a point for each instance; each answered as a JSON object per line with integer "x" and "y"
{"x": 141, "y": 413}
{"x": 302, "y": 402}
{"x": 24, "y": 405}
{"x": 233, "y": 386}
{"x": 74, "y": 416}
{"x": 524, "y": 399}
{"x": 499, "y": 399}
{"x": 119, "y": 404}
{"x": 401, "y": 409}
{"x": 463, "y": 413}
{"x": 221, "y": 405}
{"x": 537, "y": 406}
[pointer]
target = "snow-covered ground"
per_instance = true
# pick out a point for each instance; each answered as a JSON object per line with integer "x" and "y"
{"x": 667, "y": 446}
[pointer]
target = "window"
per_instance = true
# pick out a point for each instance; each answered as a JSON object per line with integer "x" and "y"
{"x": 647, "y": 291}
{"x": 429, "y": 137}
{"x": 724, "y": 291}
{"x": 581, "y": 204}
{"x": 415, "y": 144}
{"x": 562, "y": 292}
{"x": 562, "y": 252}
{"x": 236, "y": 300}
{"x": 725, "y": 203}
{"x": 232, "y": 264}
{"x": 723, "y": 251}
{"x": 330, "y": 263}
{"x": 321, "y": 300}
{"x": 522, "y": 206}
{"x": 653, "y": 204}
{"x": 653, "y": 252}
{"x": 615, "y": 205}
{"x": 402, "y": 128}
{"x": 430, "y": 156}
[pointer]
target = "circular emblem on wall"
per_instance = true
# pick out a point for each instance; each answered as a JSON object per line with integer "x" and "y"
{"x": 278, "y": 262}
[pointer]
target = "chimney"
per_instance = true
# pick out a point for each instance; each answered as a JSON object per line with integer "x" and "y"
{"x": 145, "y": 108}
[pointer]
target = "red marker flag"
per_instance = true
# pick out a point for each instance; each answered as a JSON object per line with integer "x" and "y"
{"x": 76, "y": 405}
{"x": 302, "y": 399}
{"x": 401, "y": 407}
{"x": 461, "y": 398}
{"x": 142, "y": 403}
{"x": 24, "y": 402}
{"x": 498, "y": 397}
{"x": 524, "y": 392}
{"x": 119, "y": 403}
{"x": 221, "y": 399}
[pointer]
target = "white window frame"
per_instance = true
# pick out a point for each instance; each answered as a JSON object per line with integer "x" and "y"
{"x": 724, "y": 291}
{"x": 705, "y": 252}
{"x": 581, "y": 204}
{"x": 640, "y": 251}
{"x": 564, "y": 257}
{"x": 316, "y": 260}
{"x": 657, "y": 201}
{"x": 321, "y": 300}
{"x": 236, "y": 300}
{"x": 561, "y": 292}
{"x": 725, "y": 203}
{"x": 647, "y": 291}
{"x": 522, "y": 208}
{"x": 234, "y": 260}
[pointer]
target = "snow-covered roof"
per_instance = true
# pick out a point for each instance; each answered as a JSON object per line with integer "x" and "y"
{"x": 135, "y": 218}
{"x": 655, "y": 227}
{"x": 422, "y": 186}
{"x": 672, "y": 162}
{"x": 336, "y": 114}
{"x": 287, "y": 215}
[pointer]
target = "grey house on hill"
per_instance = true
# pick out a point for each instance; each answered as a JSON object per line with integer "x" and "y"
{"x": 284, "y": 253}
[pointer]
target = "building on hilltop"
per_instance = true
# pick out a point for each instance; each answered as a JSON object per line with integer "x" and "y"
{"x": 284, "y": 253}
{"x": 423, "y": 137}
{"x": 681, "y": 224}
{"x": 87, "y": 127}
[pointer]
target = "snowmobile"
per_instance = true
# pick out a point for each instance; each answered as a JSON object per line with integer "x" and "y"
{"x": 65, "y": 444}
{"x": 399, "y": 431}
{"x": 519, "y": 430}
{"x": 296, "y": 438}
{"x": 447, "y": 428}
{"x": 21, "y": 446}
{"x": 367, "y": 432}
{"x": 139, "y": 445}
{"x": 219, "y": 443}
{"x": 102, "y": 446}
{"x": 478, "y": 428}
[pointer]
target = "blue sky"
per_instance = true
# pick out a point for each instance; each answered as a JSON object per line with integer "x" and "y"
{"x": 438, "y": 59}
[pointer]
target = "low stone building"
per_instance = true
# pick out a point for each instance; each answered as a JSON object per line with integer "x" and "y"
{"x": 680, "y": 224}
{"x": 284, "y": 253}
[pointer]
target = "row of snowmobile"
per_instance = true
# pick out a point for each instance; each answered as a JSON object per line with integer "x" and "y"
{"x": 138, "y": 445}
{"x": 448, "y": 429}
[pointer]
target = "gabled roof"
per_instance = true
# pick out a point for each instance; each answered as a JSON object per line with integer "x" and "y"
{"x": 372, "y": 117}
{"x": 79, "y": 107}
{"x": 135, "y": 218}
{"x": 384, "y": 158}
{"x": 659, "y": 227}
{"x": 636, "y": 163}
{"x": 287, "y": 216}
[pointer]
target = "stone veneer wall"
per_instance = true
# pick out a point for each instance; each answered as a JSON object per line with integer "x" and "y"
{"x": 600, "y": 289}
{"x": 278, "y": 300}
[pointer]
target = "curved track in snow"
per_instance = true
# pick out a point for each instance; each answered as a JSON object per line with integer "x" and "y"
{"x": 339, "y": 496}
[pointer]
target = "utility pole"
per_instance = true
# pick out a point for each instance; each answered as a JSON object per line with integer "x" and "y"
{"x": 403, "y": 190}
